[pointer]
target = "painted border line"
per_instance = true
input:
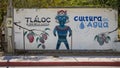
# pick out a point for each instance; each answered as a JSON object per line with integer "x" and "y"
{"x": 59, "y": 63}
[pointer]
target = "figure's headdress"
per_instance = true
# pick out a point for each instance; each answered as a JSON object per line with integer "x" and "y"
{"x": 62, "y": 12}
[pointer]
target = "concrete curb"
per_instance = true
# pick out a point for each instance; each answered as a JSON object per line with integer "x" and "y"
{"x": 59, "y": 63}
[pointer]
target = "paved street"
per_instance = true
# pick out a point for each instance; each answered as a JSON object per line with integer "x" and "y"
{"x": 67, "y": 67}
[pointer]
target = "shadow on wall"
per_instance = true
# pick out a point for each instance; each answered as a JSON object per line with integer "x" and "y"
{"x": 117, "y": 43}
{"x": 119, "y": 35}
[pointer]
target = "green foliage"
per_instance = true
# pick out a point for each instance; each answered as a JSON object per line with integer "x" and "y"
{"x": 65, "y": 3}
{"x": 119, "y": 21}
{"x": 3, "y": 6}
{"x": 59, "y": 3}
{"x": 107, "y": 3}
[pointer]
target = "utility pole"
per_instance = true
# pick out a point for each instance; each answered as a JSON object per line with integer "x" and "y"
{"x": 9, "y": 28}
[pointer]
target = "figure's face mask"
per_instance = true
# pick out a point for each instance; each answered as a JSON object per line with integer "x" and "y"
{"x": 62, "y": 20}
{"x": 62, "y": 17}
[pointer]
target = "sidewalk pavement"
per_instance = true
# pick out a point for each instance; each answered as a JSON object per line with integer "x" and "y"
{"x": 60, "y": 61}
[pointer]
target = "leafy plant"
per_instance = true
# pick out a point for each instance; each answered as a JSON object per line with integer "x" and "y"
{"x": 40, "y": 38}
{"x": 102, "y": 38}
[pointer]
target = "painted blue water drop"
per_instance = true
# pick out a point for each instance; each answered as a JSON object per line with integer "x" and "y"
{"x": 82, "y": 26}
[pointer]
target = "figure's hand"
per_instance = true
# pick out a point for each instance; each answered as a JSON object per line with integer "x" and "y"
{"x": 54, "y": 34}
{"x": 70, "y": 34}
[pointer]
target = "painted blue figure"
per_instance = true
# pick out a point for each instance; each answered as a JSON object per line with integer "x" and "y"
{"x": 61, "y": 29}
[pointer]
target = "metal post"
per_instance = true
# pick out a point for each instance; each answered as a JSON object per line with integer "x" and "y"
{"x": 10, "y": 32}
{"x": 24, "y": 41}
{"x": 71, "y": 42}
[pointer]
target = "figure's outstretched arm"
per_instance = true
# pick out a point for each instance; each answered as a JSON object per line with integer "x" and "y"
{"x": 54, "y": 32}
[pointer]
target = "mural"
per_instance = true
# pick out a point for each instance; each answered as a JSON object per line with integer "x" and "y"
{"x": 31, "y": 35}
{"x": 62, "y": 29}
{"x": 92, "y": 21}
{"x": 104, "y": 37}
{"x": 65, "y": 29}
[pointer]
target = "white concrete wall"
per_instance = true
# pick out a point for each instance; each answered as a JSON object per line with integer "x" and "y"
{"x": 82, "y": 38}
